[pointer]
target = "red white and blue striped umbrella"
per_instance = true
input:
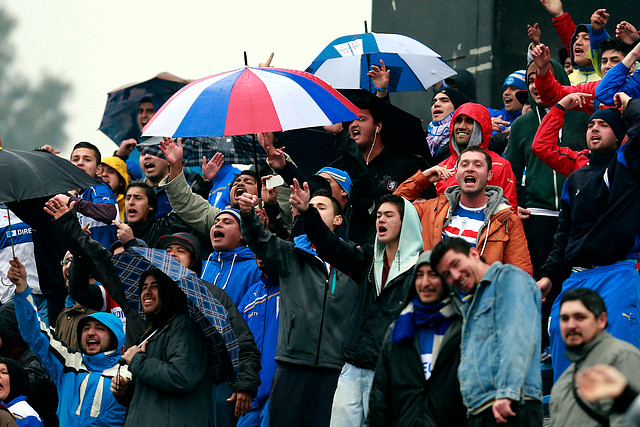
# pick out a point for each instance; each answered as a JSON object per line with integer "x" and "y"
{"x": 250, "y": 100}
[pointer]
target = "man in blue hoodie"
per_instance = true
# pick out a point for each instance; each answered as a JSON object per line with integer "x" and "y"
{"x": 231, "y": 266}
{"x": 83, "y": 378}
{"x": 316, "y": 300}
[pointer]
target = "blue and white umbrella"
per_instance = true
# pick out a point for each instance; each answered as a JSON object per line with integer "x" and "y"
{"x": 345, "y": 62}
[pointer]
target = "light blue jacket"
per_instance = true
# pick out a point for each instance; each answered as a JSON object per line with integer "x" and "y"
{"x": 501, "y": 339}
{"x": 83, "y": 381}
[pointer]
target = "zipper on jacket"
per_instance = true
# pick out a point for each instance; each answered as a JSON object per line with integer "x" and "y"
{"x": 324, "y": 307}
{"x": 555, "y": 191}
{"x": 292, "y": 323}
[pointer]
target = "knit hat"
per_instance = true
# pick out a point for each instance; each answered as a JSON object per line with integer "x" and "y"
{"x": 233, "y": 212}
{"x": 119, "y": 165}
{"x": 423, "y": 258}
{"x": 18, "y": 379}
{"x": 517, "y": 79}
{"x": 342, "y": 178}
{"x": 457, "y": 98}
{"x": 614, "y": 119}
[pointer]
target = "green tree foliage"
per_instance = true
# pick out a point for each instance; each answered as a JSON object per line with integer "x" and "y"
{"x": 31, "y": 114}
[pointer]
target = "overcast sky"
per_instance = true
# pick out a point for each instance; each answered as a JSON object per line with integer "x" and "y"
{"x": 99, "y": 46}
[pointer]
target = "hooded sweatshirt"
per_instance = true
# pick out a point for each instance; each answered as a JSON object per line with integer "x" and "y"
{"x": 542, "y": 186}
{"x": 502, "y": 174}
{"x": 83, "y": 381}
{"x": 234, "y": 271}
{"x": 581, "y": 75}
{"x": 376, "y": 305}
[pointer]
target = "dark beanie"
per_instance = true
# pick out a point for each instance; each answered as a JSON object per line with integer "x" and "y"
{"x": 614, "y": 119}
{"x": 457, "y": 98}
{"x": 18, "y": 379}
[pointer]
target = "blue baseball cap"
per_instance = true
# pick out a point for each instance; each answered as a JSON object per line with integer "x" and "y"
{"x": 342, "y": 178}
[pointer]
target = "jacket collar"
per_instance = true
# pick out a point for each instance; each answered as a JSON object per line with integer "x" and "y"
{"x": 578, "y": 354}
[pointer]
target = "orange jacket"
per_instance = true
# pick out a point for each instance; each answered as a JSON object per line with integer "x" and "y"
{"x": 501, "y": 239}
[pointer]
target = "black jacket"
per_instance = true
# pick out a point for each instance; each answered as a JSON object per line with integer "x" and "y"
{"x": 402, "y": 396}
{"x": 599, "y": 221}
{"x": 372, "y": 313}
{"x": 315, "y": 304}
{"x": 151, "y": 229}
{"x": 170, "y": 382}
{"x": 97, "y": 260}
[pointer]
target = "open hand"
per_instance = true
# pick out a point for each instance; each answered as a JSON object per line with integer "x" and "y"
{"x": 172, "y": 150}
{"x": 211, "y": 168}
{"x": 300, "y": 196}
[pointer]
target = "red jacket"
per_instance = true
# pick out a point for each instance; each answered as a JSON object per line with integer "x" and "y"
{"x": 502, "y": 173}
{"x": 565, "y": 27}
{"x": 551, "y": 91}
{"x": 563, "y": 160}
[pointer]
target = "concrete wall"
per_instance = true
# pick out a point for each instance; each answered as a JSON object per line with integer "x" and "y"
{"x": 486, "y": 37}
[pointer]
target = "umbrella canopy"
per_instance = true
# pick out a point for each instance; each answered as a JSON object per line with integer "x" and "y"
{"x": 32, "y": 174}
{"x": 120, "y": 120}
{"x": 345, "y": 62}
{"x": 204, "y": 308}
{"x": 237, "y": 149}
{"x": 250, "y": 100}
{"x": 403, "y": 130}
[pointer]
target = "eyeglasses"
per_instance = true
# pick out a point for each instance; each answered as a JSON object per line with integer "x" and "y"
{"x": 66, "y": 261}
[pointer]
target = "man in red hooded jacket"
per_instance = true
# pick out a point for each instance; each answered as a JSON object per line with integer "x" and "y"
{"x": 471, "y": 126}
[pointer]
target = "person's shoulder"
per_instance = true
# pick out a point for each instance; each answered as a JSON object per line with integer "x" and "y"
{"x": 622, "y": 349}
{"x": 508, "y": 275}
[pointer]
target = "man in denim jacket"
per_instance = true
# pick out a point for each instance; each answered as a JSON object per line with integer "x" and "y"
{"x": 499, "y": 369}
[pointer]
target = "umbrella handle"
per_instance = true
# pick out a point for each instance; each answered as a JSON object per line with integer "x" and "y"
{"x": 13, "y": 249}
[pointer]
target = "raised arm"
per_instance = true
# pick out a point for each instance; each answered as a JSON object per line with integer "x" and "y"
{"x": 563, "y": 160}
{"x": 98, "y": 260}
{"x": 273, "y": 251}
{"x": 51, "y": 352}
{"x": 562, "y": 22}
{"x": 194, "y": 210}
{"x": 548, "y": 87}
{"x": 617, "y": 79}
{"x": 345, "y": 256}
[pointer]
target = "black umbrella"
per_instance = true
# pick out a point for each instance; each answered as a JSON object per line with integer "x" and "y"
{"x": 28, "y": 175}
{"x": 32, "y": 174}
{"x": 403, "y": 130}
{"x": 119, "y": 121}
